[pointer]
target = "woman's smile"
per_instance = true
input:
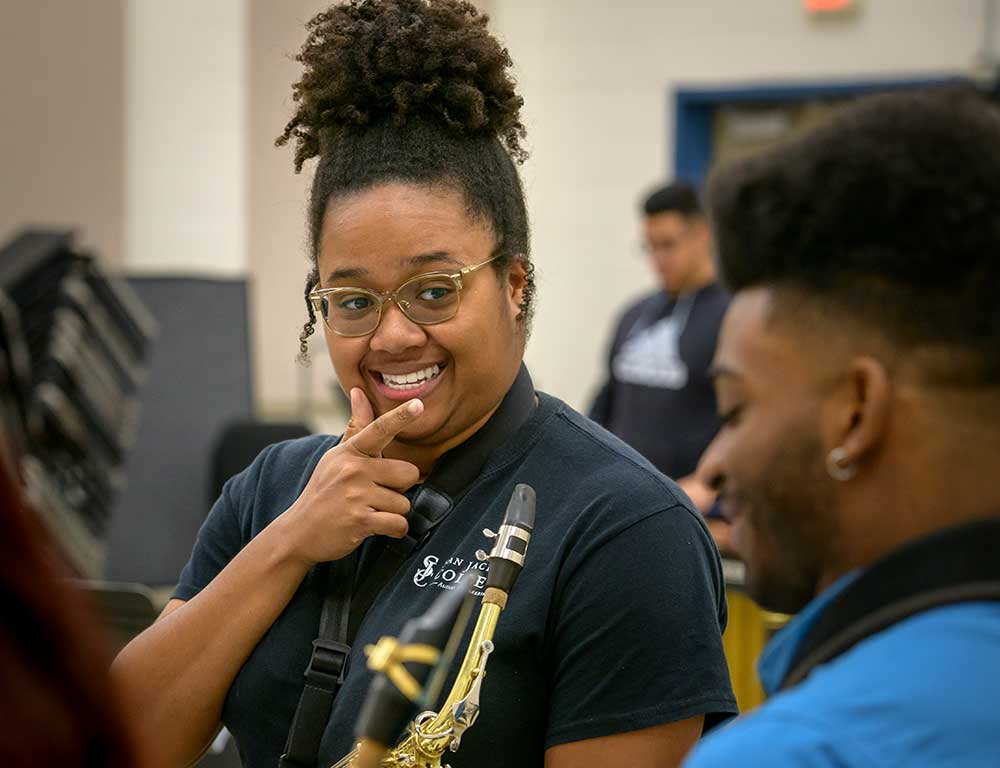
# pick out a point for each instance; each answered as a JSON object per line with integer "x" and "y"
{"x": 404, "y": 382}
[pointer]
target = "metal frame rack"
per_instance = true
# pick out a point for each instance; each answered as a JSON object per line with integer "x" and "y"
{"x": 74, "y": 345}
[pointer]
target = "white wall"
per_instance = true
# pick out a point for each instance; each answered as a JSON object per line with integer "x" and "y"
{"x": 598, "y": 79}
{"x": 278, "y": 246}
{"x": 186, "y": 127}
{"x": 62, "y": 122}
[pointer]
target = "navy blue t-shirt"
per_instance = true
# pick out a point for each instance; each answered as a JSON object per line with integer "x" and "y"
{"x": 614, "y": 625}
{"x": 658, "y": 397}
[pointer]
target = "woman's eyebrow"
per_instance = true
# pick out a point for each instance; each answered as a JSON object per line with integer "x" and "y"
{"x": 434, "y": 256}
{"x": 346, "y": 272}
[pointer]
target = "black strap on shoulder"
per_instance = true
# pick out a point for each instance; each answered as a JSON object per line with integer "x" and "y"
{"x": 327, "y": 666}
{"x": 345, "y": 603}
{"x": 955, "y": 565}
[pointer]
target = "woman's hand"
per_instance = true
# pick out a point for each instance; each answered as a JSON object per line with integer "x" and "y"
{"x": 354, "y": 493}
{"x": 176, "y": 674}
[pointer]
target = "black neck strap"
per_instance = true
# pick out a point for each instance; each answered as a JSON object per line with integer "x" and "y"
{"x": 955, "y": 565}
{"x": 346, "y": 601}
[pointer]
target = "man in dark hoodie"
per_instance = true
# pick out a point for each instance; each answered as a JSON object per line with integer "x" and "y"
{"x": 657, "y": 397}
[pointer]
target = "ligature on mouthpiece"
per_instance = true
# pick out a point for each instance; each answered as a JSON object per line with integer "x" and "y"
{"x": 507, "y": 556}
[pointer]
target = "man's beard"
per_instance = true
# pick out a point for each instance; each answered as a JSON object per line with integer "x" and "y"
{"x": 792, "y": 528}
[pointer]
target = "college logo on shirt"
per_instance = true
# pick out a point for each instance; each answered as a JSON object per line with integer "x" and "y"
{"x": 433, "y": 573}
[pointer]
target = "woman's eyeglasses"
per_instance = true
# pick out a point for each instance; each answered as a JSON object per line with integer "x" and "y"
{"x": 425, "y": 299}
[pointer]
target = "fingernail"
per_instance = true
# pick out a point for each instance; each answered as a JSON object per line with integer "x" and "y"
{"x": 414, "y": 407}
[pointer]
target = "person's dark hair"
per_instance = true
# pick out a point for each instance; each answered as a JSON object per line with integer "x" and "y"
{"x": 889, "y": 213}
{"x": 414, "y": 91}
{"x": 58, "y": 704}
{"x": 677, "y": 197}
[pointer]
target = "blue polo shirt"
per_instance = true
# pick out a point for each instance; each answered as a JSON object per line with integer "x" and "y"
{"x": 924, "y": 692}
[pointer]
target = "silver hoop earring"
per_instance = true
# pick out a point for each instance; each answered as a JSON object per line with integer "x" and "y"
{"x": 837, "y": 468}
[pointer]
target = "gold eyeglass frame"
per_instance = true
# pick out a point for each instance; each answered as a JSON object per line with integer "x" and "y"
{"x": 316, "y": 296}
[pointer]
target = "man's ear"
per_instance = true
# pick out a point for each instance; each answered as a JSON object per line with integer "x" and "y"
{"x": 859, "y": 415}
{"x": 517, "y": 281}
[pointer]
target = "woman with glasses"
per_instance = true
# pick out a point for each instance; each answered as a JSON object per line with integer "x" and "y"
{"x": 609, "y": 652}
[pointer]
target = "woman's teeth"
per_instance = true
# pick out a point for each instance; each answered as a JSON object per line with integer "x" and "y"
{"x": 413, "y": 380}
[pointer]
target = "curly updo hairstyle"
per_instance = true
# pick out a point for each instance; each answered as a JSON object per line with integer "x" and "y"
{"x": 415, "y": 91}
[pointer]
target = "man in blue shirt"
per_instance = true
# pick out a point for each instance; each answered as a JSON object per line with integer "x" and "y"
{"x": 858, "y": 381}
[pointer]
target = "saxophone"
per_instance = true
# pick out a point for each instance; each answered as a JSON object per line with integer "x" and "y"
{"x": 431, "y": 733}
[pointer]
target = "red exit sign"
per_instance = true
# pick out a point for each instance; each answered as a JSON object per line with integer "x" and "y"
{"x": 829, "y": 6}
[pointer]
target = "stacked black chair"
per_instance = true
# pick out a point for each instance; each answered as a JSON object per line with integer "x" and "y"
{"x": 74, "y": 344}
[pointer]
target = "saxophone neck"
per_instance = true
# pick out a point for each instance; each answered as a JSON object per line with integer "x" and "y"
{"x": 461, "y": 707}
{"x": 465, "y": 711}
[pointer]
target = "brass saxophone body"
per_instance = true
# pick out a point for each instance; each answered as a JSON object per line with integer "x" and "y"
{"x": 431, "y": 734}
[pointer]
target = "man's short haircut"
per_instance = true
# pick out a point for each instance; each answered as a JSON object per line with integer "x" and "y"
{"x": 677, "y": 197}
{"x": 888, "y": 214}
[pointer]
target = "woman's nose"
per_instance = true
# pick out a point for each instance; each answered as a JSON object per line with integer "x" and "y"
{"x": 396, "y": 332}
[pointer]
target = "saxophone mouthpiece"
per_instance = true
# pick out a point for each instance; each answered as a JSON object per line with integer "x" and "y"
{"x": 521, "y": 507}
{"x": 511, "y": 543}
